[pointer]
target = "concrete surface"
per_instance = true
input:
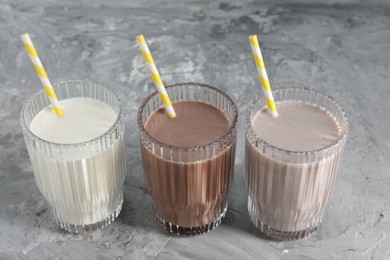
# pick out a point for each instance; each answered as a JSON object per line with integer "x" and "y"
{"x": 340, "y": 47}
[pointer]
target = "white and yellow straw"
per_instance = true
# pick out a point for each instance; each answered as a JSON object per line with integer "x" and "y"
{"x": 156, "y": 76}
{"x": 263, "y": 74}
{"x": 42, "y": 73}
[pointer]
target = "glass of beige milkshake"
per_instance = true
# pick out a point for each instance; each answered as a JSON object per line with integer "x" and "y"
{"x": 189, "y": 160}
{"x": 292, "y": 160}
{"x": 78, "y": 159}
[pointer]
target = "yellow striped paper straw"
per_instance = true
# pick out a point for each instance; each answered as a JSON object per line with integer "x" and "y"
{"x": 155, "y": 76}
{"x": 263, "y": 74}
{"x": 32, "y": 52}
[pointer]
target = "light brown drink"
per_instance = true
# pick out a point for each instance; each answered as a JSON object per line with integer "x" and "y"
{"x": 290, "y": 174}
{"x": 188, "y": 190}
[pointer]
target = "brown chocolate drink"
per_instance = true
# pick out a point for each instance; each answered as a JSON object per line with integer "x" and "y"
{"x": 196, "y": 123}
{"x": 189, "y": 181}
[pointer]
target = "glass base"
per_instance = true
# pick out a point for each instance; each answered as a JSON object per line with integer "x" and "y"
{"x": 282, "y": 235}
{"x": 190, "y": 231}
{"x": 275, "y": 233}
{"x": 80, "y": 229}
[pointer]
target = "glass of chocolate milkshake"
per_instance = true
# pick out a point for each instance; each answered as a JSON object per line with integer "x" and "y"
{"x": 292, "y": 160}
{"x": 189, "y": 160}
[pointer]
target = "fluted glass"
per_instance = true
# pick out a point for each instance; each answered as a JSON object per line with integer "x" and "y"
{"x": 288, "y": 190}
{"x": 82, "y": 182}
{"x": 189, "y": 185}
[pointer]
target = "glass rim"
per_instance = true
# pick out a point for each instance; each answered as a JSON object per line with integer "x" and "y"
{"x": 26, "y": 129}
{"x": 341, "y": 137}
{"x": 233, "y": 124}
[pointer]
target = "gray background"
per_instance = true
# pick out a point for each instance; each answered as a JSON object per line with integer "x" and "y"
{"x": 342, "y": 48}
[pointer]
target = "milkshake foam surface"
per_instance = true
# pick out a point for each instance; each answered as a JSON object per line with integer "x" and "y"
{"x": 196, "y": 123}
{"x": 299, "y": 126}
{"x": 84, "y": 119}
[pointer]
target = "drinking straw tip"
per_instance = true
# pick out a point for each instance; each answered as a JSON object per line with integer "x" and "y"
{"x": 140, "y": 38}
{"x": 24, "y": 35}
{"x": 171, "y": 115}
{"x": 59, "y": 112}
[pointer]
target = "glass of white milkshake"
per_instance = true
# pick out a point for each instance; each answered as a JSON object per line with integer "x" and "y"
{"x": 78, "y": 159}
{"x": 292, "y": 160}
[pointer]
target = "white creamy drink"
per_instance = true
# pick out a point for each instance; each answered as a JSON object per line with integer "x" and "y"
{"x": 292, "y": 163}
{"x": 85, "y": 119}
{"x": 82, "y": 173}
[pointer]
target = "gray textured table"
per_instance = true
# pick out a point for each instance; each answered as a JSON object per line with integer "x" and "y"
{"x": 341, "y": 48}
